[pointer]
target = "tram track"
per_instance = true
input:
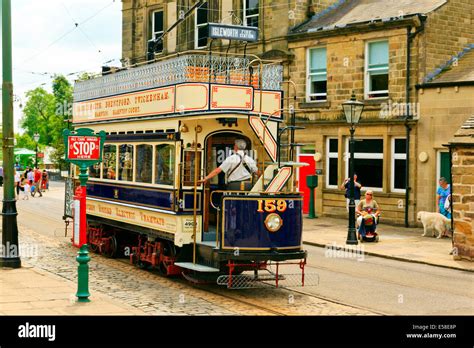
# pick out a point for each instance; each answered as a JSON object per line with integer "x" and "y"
{"x": 239, "y": 295}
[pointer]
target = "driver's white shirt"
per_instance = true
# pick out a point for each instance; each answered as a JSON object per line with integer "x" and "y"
{"x": 240, "y": 173}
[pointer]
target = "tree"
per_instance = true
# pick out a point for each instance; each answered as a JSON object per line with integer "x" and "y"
{"x": 25, "y": 141}
{"x": 47, "y": 114}
{"x": 39, "y": 115}
{"x": 63, "y": 94}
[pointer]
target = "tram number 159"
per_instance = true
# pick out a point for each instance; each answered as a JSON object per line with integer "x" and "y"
{"x": 271, "y": 205}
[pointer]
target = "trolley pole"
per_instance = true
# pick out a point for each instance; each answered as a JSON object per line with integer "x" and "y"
{"x": 9, "y": 212}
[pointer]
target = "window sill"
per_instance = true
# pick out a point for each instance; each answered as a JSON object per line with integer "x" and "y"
{"x": 315, "y": 105}
{"x": 375, "y": 101}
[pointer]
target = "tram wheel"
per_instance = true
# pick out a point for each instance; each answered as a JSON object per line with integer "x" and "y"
{"x": 111, "y": 251}
{"x": 143, "y": 265}
{"x": 93, "y": 247}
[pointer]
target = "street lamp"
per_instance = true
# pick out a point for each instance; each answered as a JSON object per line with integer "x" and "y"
{"x": 352, "y": 110}
{"x": 36, "y": 138}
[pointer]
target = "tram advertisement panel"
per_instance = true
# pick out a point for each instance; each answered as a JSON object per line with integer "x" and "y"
{"x": 259, "y": 223}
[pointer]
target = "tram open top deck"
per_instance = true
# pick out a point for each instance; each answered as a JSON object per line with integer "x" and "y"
{"x": 181, "y": 85}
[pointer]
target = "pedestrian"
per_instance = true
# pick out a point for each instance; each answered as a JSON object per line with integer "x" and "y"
{"x": 17, "y": 184}
{"x": 44, "y": 181}
{"x": 30, "y": 176}
{"x": 238, "y": 168}
{"x": 1, "y": 176}
{"x": 26, "y": 189}
{"x": 37, "y": 181}
{"x": 442, "y": 193}
{"x": 346, "y": 185}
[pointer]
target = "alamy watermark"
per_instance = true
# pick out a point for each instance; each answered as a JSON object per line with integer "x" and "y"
{"x": 24, "y": 250}
{"x": 389, "y": 110}
{"x": 344, "y": 251}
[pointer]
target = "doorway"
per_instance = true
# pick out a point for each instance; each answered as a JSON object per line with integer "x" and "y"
{"x": 219, "y": 146}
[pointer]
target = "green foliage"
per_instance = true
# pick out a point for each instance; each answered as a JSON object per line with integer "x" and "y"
{"x": 25, "y": 141}
{"x": 47, "y": 114}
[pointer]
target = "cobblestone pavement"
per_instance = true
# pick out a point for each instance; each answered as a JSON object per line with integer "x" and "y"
{"x": 157, "y": 295}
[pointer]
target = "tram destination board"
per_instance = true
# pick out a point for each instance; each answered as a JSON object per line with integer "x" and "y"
{"x": 232, "y": 32}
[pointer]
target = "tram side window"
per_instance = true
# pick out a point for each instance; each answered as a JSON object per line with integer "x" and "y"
{"x": 189, "y": 166}
{"x": 144, "y": 166}
{"x": 164, "y": 164}
{"x": 94, "y": 171}
{"x": 109, "y": 162}
{"x": 125, "y": 162}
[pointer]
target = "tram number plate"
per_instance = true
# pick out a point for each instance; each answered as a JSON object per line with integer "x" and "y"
{"x": 84, "y": 147}
{"x": 271, "y": 205}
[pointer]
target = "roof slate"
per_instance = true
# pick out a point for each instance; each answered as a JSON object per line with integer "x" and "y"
{"x": 459, "y": 70}
{"x": 348, "y": 12}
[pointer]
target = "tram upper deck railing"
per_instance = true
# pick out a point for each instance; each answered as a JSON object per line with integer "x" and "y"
{"x": 186, "y": 67}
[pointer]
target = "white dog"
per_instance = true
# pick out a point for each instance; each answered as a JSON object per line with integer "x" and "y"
{"x": 435, "y": 222}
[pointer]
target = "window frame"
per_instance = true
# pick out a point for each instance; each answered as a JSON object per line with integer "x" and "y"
{"x": 244, "y": 14}
{"x": 395, "y": 156}
{"x": 154, "y": 33}
{"x": 330, "y": 155}
{"x": 367, "y": 72}
{"x": 197, "y": 26}
{"x": 308, "y": 77}
{"x": 366, "y": 155}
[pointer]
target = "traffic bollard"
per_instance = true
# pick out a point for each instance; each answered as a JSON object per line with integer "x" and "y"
{"x": 83, "y": 259}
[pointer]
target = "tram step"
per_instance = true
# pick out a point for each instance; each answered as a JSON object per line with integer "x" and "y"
{"x": 196, "y": 267}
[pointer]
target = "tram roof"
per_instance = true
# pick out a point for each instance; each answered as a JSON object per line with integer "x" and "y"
{"x": 193, "y": 66}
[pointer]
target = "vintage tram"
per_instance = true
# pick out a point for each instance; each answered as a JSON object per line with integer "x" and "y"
{"x": 168, "y": 124}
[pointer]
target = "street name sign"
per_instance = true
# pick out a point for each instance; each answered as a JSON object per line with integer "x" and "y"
{"x": 232, "y": 32}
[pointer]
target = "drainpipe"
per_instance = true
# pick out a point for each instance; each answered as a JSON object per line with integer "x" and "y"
{"x": 408, "y": 116}
{"x": 407, "y": 127}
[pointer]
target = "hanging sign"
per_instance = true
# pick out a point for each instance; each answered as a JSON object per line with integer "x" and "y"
{"x": 232, "y": 32}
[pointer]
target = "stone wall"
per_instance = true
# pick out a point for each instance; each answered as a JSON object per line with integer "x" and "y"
{"x": 463, "y": 201}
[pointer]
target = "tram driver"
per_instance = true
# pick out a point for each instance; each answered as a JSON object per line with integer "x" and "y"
{"x": 238, "y": 168}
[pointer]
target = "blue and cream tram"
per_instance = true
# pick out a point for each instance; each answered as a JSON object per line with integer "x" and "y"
{"x": 170, "y": 123}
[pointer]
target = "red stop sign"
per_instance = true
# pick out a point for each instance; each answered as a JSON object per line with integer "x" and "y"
{"x": 84, "y": 147}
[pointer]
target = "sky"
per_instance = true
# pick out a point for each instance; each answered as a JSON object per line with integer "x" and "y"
{"x": 46, "y": 41}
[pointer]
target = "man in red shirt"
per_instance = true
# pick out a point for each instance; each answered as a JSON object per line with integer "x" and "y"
{"x": 38, "y": 176}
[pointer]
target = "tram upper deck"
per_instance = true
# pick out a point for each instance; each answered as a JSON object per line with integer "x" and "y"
{"x": 179, "y": 85}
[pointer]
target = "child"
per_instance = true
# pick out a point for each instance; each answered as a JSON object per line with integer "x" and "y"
{"x": 26, "y": 189}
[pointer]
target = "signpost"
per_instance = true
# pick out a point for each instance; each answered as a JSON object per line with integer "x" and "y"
{"x": 83, "y": 148}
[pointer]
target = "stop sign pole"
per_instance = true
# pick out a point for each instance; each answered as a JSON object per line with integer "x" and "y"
{"x": 83, "y": 148}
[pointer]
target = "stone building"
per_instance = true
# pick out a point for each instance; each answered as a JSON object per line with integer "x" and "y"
{"x": 446, "y": 101}
{"x": 462, "y": 152}
{"x": 330, "y": 49}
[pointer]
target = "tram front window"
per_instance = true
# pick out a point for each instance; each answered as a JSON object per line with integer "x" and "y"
{"x": 125, "y": 162}
{"x": 109, "y": 162}
{"x": 144, "y": 164}
{"x": 164, "y": 164}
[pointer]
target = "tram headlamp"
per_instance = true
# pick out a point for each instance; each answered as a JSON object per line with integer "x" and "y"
{"x": 273, "y": 222}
